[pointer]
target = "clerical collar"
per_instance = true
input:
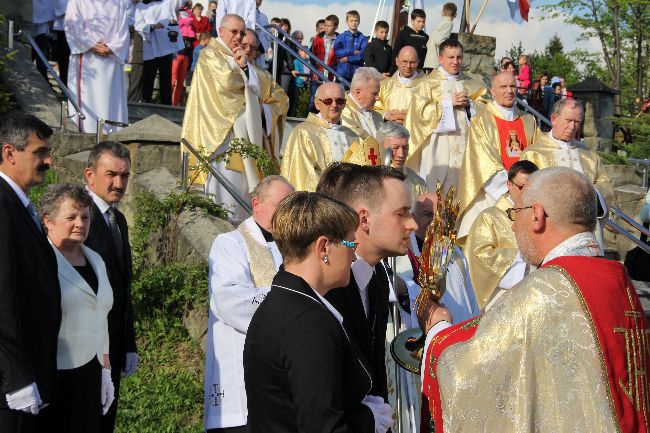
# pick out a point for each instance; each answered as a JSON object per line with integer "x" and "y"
{"x": 449, "y": 76}
{"x": 507, "y": 112}
{"x": 581, "y": 244}
{"x": 406, "y": 80}
{"x": 563, "y": 144}
{"x": 331, "y": 125}
{"x": 357, "y": 102}
{"x": 268, "y": 236}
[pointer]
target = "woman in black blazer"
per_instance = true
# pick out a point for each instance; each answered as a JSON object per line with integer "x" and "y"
{"x": 301, "y": 371}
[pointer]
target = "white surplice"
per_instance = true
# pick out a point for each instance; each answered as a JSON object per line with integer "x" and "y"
{"x": 247, "y": 9}
{"x": 156, "y": 43}
{"x": 98, "y": 83}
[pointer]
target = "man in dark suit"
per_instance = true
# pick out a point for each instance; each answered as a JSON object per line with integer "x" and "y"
{"x": 107, "y": 175}
{"x": 30, "y": 299}
{"x": 381, "y": 197}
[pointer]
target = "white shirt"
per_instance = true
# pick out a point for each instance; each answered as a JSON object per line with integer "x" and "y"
{"x": 19, "y": 192}
{"x": 507, "y": 112}
{"x": 363, "y": 272}
{"x": 101, "y": 205}
{"x": 156, "y": 42}
{"x": 406, "y": 80}
{"x": 449, "y": 76}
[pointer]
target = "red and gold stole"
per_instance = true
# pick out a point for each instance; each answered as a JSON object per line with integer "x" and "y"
{"x": 512, "y": 140}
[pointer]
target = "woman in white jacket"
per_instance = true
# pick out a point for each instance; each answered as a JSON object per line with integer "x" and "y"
{"x": 84, "y": 387}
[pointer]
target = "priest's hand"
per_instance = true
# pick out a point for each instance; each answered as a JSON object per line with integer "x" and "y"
{"x": 396, "y": 116}
{"x": 343, "y": 59}
{"x": 240, "y": 57}
{"x": 460, "y": 99}
{"x": 429, "y": 313}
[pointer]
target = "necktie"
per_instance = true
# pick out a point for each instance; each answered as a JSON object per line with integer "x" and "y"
{"x": 34, "y": 215}
{"x": 115, "y": 232}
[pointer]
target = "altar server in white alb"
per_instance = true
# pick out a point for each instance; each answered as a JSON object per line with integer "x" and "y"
{"x": 242, "y": 265}
{"x": 247, "y": 9}
{"x": 98, "y": 35}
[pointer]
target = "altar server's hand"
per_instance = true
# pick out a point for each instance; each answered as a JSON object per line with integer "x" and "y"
{"x": 130, "y": 364}
{"x": 381, "y": 412}
{"x": 26, "y": 399}
{"x": 107, "y": 394}
{"x": 460, "y": 99}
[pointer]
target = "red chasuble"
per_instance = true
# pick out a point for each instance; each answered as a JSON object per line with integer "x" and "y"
{"x": 617, "y": 322}
{"x": 512, "y": 140}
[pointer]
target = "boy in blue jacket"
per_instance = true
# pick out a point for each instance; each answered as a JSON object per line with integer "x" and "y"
{"x": 350, "y": 47}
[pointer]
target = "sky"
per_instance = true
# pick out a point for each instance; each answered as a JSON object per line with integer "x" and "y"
{"x": 495, "y": 21}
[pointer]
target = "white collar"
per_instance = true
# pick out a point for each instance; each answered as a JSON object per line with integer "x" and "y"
{"x": 363, "y": 110}
{"x": 362, "y": 272}
{"x": 102, "y": 205}
{"x": 330, "y": 307}
{"x": 563, "y": 144}
{"x": 334, "y": 126}
{"x": 18, "y": 190}
{"x": 581, "y": 244}
{"x": 508, "y": 112}
{"x": 406, "y": 80}
{"x": 449, "y": 76}
{"x": 223, "y": 44}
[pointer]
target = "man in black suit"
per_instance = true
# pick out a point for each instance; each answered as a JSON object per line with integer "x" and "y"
{"x": 107, "y": 175}
{"x": 381, "y": 197}
{"x": 30, "y": 299}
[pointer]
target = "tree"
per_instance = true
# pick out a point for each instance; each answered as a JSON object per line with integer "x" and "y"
{"x": 554, "y": 46}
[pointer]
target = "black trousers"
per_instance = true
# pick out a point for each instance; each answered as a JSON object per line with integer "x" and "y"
{"x": 137, "y": 69}
{"x": 163, "y": 66}
{"x": 61, "y": 54}
{"x": 240, "y": 429}
{"x": 15, "y": 421}
{"x": 76, "y": 406}
{"x": 43, "y": 42}
{"x": 108, "y": 420}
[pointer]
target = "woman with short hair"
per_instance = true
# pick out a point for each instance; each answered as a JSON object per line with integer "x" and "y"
{"x": 302, "y": 372}
{"x": 84, "y": 388}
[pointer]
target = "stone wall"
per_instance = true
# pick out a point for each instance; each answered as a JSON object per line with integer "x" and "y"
{"x": 478, "y": 53}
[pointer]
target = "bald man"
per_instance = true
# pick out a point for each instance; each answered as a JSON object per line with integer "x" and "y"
{"x": 395, "y": 92}
{"x": 321, "y": 140}
{"x": 439, "y": 116}
{"x": 224, "y": 105}
{"x": 496, "y": 139}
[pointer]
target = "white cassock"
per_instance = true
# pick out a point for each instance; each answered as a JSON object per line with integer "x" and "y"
{"x": 244, "y": 8}
{"x": 237, "y": 260}
{"x": 98, "y": 83}
{"x": 156, "y": 43}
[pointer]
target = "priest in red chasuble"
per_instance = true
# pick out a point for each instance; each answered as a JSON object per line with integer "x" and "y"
{"x": 565, "y": 350}
{"x": 497, "y": 137}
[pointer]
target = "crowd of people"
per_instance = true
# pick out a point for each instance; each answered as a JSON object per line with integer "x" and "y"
{"x": 533, "y": 332}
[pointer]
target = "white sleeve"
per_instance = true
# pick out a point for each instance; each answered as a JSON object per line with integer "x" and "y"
{"x": 221, "y": 12}
{"x": 497, "y": 185}
{"x": 75, "y": 29}
{"x": 233, "y": 294}
{"x": 514, "y": 274}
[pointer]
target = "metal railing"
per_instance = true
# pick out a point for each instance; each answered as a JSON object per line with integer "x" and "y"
{"x": 277, "y": 41}
{"x": 524, "y": 105}
{"x": 100, "y": 127}
{"x": 224, "y": 182}
{"x": 642, "y": 167}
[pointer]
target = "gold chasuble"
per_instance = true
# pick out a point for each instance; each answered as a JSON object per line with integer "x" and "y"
{"x": 395, "y": 93}
{"x": 314, "y": 144}
{"x": 262, "y": 265}
{"x": 493, "y": 142}
{"x": 364, "y": 123}
{"x": 275, "y": 98}
{"x": 490, "y": 249}
{"x": 566, "y": 350}
{"x": 438, "y": 130}
{"x": 549, "y": 152}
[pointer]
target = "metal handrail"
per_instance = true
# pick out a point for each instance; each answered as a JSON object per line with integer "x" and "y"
{"x": 522, "y": 103}
{"x": 625, "y": 217}
{"x": 227, "y": 186}
{"x": 342, "y": 80}
{"x": 644, "y": 171}
{"x": 619, "y": 229}
{"x": 63, "y": 87}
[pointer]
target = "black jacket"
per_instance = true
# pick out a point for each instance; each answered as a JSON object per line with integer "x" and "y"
{"x": 378, "y": 55}
{"x": 30, "y": 301}
{"x": 301, "y": 372}
{"x": 120, "y": 319}
{"x": 369, "y": 334}
{"x": 409, "y": 37}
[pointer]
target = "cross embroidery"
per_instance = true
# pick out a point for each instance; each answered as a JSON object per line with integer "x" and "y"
{"x": 216, "y": 395}
{"x": 372, "y": 157}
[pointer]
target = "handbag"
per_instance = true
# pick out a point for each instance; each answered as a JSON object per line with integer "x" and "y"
{"x": 637, "y": 261}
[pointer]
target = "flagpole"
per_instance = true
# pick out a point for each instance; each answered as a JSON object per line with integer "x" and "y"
{"x": 478, "y": 17}
{"x": 467, "y": 15}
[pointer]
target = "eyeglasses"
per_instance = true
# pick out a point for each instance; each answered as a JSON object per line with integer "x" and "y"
{"x": 519, "y": 187}
{"x": 352, "y": 245}
{"x": 329, "y": 101}
{"x": 511, "y": 212}
{"x": 236, "y": 32}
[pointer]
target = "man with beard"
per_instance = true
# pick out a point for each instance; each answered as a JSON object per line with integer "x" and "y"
{"x": 564, "y": 350}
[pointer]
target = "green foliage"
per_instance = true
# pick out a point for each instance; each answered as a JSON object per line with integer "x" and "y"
{"x": 267, "y": 165}
{"x": 166, "y": 393}
{"x": 302, "y": 110}
{"x": 513, "y": 54}
{"x": 37, "y": 192}
{"x": 609, "y": 158}
{"x": 639, "y": 129}
{"x": 554, "y": 46}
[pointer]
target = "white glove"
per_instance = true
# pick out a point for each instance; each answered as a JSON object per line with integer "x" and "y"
{"x": 107, "y": 394}
{"x": 382, "y": 412}
{"x": 26, "y": 399}
{"x": 131, "y": 363}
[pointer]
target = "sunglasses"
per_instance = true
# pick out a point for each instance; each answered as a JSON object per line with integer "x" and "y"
{"x": 329, "y": 101}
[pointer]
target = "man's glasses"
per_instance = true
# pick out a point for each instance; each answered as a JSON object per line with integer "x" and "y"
{"x": 519, "y": 187}
{"x": 329, "y": 101}
{"x": 236, "y": 32}
{"x": 511, "y": 212}
{"x": 350, "y": 244}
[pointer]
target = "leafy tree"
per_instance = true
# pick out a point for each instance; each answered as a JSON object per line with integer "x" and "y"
{"x": 554, "y": 46}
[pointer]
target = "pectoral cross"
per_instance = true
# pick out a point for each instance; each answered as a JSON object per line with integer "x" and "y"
{"x": 372, "y": 157}
{"x": 216, "y": 395}
{"x": 636, "y": 352}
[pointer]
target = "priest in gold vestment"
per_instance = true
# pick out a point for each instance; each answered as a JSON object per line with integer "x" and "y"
{"x": 395, "y": 93}
{"x": 566, "y": 350}
{"x": 358, "y": 114}
{"x": 495, "y": 264}
{"x": 321, "y": 140}
{"x": 498, "y": 135}
{"x": 559, "y": 147}
{"x": 439, "y": 116}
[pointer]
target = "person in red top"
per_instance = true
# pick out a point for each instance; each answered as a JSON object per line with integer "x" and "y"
{"x": 323, "y": 48}
{"x": 564, "y": 350}
{"x": 200, "y": 23}
{"x": 523, "y": 78}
